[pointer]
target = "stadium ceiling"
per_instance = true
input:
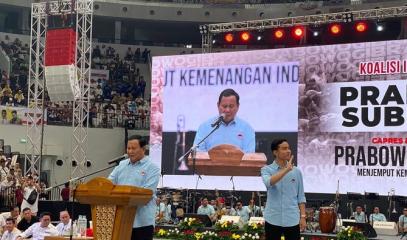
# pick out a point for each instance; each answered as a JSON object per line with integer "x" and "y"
{"x": 372, "y": 14}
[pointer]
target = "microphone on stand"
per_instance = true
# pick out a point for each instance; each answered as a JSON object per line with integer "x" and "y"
{"x": 218, "y": 120}
{"x": 118, "y": 159}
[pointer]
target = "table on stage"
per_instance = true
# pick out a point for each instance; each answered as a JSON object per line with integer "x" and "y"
{"x": 64, "y": 238}
{"x": 329, "y": 236}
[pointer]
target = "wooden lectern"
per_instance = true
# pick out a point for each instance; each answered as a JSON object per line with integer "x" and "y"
{"x": 228, "y": 160}
{"x": 113, "y": 207}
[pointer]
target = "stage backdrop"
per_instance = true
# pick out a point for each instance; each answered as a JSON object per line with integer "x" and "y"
{"x": 342, "y": 108}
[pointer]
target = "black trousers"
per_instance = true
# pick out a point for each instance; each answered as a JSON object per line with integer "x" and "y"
{"x": 142, "y": 233}
{"x": 274, "y": 232}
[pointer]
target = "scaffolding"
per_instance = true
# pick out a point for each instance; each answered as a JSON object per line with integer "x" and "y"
{"x": 313, "y": 20}
{"x": 83, "y": 9}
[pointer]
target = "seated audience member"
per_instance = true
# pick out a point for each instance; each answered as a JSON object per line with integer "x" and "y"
{"x": 207, "y": 209}
{"x": 27, "y": 220}
{"x": 41, "y": 229}
{"x": 359, "y": 215}
{"x": 403, "y": 222}
{"x": 242, "y": 211}
{"x": 11, "y": 232}
{"x": 64, "y": 227}
{"x": 14, "y": 214}
{"x": 377, "y": 216}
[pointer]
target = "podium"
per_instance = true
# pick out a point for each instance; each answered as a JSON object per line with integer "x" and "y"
{"x": 113, "y": 206}
{"x": 228, "y": 160}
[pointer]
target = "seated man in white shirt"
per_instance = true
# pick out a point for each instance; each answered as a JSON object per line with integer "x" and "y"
{"x": 11, "y": 232}
{"x": 14, "y": 213}
{"x": 40, "y": 229}
{"x": 64, "y": 227}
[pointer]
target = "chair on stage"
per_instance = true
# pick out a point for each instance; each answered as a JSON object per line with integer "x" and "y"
{"x": 113, "y": 207}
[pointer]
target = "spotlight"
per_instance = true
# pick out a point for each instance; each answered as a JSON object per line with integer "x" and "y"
{"x": 361, "y": 27}
{"x": 259, "y": 38}
{"x": 203, "y": 29}
{"x": 279, "y": 33}
{"x": 213, "y": 41}
{"x": 380, "y": 27}
{"x": 315, "y": 33}
{"x": 229, "y": 37}
{"x": 347, "y": 17}
{"x": 245, "y": 36}
{"x": 74, "y": 163}
{"x": 298, "y": 32}
{"x": 335, "y": 29}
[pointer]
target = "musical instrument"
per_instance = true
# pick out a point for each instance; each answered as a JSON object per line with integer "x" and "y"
{"x": 327, "y": 219}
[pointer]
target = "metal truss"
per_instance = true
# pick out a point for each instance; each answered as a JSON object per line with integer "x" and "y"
{"x": 36, "y": 80}
{"x": 259, "y": 25}
{"x": 39, "y": 15}
{"x": 80, "y": 116}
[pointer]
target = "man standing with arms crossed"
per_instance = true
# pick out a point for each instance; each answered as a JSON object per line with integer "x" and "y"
{"x": 139, "y": 171}
{"x": 285, "y": 208}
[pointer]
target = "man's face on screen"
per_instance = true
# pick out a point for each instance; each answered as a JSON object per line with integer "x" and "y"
{"x": 135, "y": 152}
{"x": 228, "y": 106}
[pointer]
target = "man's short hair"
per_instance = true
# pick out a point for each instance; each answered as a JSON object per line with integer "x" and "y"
{"x": 45, "y": 214}
{"x": 276, "y": 142}
{"x": 10, "y": 219}
{"x": 26, "y": 209}
{"x": 14, "y": 207}
{"x": 141, "y": 140}
{"x": 227, "y": 93}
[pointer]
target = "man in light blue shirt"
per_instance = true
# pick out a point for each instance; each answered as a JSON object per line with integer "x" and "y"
{"x": 207, "y": 209}
{"x": 242, "y": 211}
{"x": 139, "y": 171}
{"x": 232, "y": 130}
{"x": 359, "y": 215}
{"x": 285, "y": 208}
{"x": 403, "y": 222}
{"x": 377, "y": 216}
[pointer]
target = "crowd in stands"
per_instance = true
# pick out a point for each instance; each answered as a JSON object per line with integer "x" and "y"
{"x": 118, "y": 101}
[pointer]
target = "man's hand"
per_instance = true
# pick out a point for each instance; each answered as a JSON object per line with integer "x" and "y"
{"x": 289, "y": 165}
{"x": 303, "y": 224}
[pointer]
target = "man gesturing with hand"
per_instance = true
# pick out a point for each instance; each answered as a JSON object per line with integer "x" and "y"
{"x": 285, "y": 207}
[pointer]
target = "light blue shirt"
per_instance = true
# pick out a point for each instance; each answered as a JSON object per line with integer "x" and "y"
{"x": 208, "y": 210}
{"x": 244, "y": 213}
{"x": 144, "y": 174}
{"x": 377, "y": 217}
{"x": 283, "y": 197}
{"x": 403, "y": 221}
{"x": 359, "y": 218}
{"x": 237, "y": 132}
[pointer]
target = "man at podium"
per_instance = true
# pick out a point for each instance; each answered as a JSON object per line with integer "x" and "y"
{"x": 232, "y": 130}
{"x": 139, "y": 171}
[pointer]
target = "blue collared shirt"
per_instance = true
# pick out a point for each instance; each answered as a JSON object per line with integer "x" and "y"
{"x": 377, "y": 217}
{"x": 403, "y": 221}
{"x": 283, "y": 197}
{"x": 244, "y": 213}
{"x": 144, "y": 174}
{"x": 208, "y": 210}
{"x": 359, "y": 218}
{"x": 237, "y": 132}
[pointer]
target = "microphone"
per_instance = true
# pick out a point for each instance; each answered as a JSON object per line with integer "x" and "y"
{"x": 118, "y": 159}
{"x": 218, "y": 120}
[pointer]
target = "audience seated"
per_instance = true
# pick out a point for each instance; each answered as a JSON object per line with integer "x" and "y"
{"x": 123, "y": 89}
